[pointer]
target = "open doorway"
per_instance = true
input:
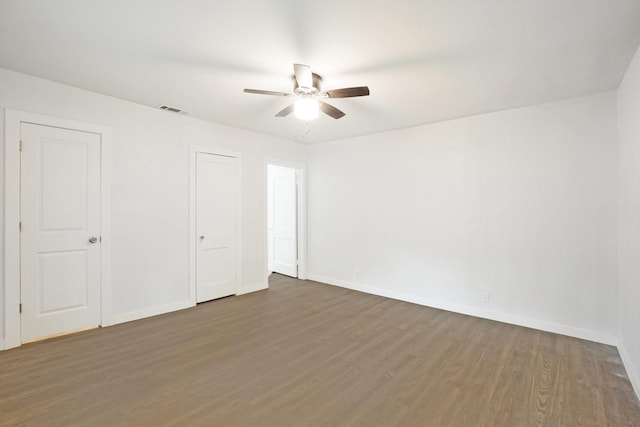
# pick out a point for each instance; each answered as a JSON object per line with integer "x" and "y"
{"x": 285, "y": 208}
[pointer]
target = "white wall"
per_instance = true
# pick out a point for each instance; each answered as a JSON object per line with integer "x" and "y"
{"x": 520, "y": 204}
{"x": 629, "y": 280}
{"x": 150, "y": 188}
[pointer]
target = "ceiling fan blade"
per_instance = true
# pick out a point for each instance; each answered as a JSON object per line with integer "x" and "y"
{"x": 330, "y": 110}
{"x": 303, "y": 76}
{"x": 348, "y": 92}
{"x": 267, "y": 92}
{"x": 286, "y": 111}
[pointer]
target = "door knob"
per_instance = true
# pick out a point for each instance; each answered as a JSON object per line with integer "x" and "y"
{"x": 201, "y": 237}
{"x": 93, "y": 239}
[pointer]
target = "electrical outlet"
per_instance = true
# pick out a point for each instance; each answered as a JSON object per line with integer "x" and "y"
{"x": 484, "y": 297}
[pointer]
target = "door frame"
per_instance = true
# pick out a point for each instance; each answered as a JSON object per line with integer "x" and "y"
{"x": 193, "y": 152}
{"x": 13, "y": 120}
{"x": 301, "y": 212}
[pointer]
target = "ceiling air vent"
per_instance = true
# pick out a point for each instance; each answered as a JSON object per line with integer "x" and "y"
{"x": 172, "y": 109}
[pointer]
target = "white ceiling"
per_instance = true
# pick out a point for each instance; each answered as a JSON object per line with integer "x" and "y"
{"x": 424, "y": 60}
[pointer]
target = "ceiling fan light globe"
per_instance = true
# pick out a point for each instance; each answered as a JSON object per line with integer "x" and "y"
{"x": 306, "y": 109}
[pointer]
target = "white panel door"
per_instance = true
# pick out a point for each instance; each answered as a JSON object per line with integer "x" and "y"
{"x": 60, "y": 238}
{"x": 282, "y": 219}
{"x": 217, "y": 195}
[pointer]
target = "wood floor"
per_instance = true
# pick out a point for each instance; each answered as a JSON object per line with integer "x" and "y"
{"x": 307, "y": 354}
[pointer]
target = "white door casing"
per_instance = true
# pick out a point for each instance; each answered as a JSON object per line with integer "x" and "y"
{"x": 282, "y": 220}
{"x": 60, "y": 238}
{"x": 216, "y": 226}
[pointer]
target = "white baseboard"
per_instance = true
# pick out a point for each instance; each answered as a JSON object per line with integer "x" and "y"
{"x": 148, "y": 312}
{"x": 167, "y": 308}
{"x": 632, "y": 370}
{"x": 513, "y": 319}
{"x": 253, "y": 288}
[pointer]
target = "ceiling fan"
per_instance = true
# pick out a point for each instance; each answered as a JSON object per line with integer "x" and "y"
{"x": 306, "y": 89}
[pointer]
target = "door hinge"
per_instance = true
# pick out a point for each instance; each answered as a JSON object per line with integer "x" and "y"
{"x": 20, "y": 145}
{"x": 20, "y": 226}
{"x": 20, "y": 308}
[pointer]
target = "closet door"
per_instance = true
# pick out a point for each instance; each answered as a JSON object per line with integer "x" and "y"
{"x": 216, "y": 226}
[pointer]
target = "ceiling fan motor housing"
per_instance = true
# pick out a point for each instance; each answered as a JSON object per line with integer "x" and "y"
{"x": 301, "y": 90}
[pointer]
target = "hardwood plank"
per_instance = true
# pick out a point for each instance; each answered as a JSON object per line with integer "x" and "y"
{"x": 304, "y": 353}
